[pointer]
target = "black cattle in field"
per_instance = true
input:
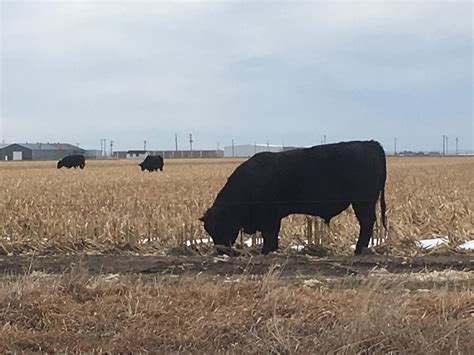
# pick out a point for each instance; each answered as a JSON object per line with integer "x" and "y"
{"x": 72, "y": 161}
{"x": 319, "y": 181}
{"x": 152, "y": 163}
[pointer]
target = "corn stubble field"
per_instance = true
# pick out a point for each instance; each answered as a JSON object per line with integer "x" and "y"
{"x": 112, "y": 207}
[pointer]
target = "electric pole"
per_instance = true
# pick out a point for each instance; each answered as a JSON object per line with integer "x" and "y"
{"x": 457, "y": 151}
{"x": 191, "y": 143}
{"x": 324, "y": 139}
{"x": 176, "y": 141}
{"x": 233, "y": 151}
{"x": 395, "y": 146}
{"x": 111, "y": 148}
{"x": 444, "y": 151}
{"x": 103, "y": 147}
{"x": 144, "y": 144}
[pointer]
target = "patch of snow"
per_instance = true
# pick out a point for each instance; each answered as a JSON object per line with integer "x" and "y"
{"x": 248, "y": 242}
{"x": 469, "y": 245}
{"x": 297, "y": 247}
{"x": 431, "y": 243}
{"x": 198, "y": 241}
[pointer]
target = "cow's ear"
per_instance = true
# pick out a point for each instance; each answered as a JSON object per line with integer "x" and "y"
{"x": 202, "y": 219}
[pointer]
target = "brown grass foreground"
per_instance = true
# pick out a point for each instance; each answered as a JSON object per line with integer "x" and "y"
{"x": 112, "y": 206}
{"x": 79, "y": 312}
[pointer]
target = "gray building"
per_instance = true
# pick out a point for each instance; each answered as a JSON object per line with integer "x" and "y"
{"x": 38, "y": 151}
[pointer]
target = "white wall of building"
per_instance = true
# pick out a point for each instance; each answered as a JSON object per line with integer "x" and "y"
{"x": 247, "y": 150}
{"x": 137, "y": 156}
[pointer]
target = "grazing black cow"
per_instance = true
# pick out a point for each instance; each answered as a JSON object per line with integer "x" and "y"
{"x": 72, "y": 161}
{"x": 319, "y": 181}
{"x": 152, "y": 163}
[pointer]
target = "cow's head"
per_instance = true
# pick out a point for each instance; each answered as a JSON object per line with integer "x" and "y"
{"x": 60, "y": 164}
{"x": 141, "y": 166}
{"x": 220, "y": 225}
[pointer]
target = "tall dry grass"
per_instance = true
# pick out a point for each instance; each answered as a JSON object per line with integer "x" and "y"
{"x": 77, "y": 312}
{"x": 112, "y": 205}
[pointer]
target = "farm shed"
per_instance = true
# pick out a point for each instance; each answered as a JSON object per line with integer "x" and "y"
{"x": 92, "y": 154}
{"x": 137, "y": 154}
{"x": 247, "y": 150}
{"x": 186, "y": 154}
{"x": 2, "y": 145}
{"x": 175, "y": 154}
{"x": 38, "y": 151}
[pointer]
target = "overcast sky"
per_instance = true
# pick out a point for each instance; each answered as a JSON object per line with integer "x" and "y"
{"x": 250, "y": 71}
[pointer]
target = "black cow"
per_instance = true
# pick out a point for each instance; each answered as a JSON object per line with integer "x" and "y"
{"x": 319, "y": 181}
{"x": 72, "y": 161}
{"x": 152, "y": 163}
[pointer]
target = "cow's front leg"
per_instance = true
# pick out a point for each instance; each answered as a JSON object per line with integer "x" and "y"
{"x": 270, "y": 237}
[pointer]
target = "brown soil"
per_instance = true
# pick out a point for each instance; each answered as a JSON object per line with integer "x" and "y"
{"x": 288, "y": 265}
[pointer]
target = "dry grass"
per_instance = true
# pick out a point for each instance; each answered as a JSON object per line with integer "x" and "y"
{"x": 78, "y": 312}
{"x": 113, "y": 206}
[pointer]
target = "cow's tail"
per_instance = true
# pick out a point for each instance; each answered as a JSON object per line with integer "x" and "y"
{"x": 383, "y": 207}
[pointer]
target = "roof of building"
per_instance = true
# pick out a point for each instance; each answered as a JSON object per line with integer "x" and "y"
{"x": 65, "y": 146}
{"x": 46, "y": 146}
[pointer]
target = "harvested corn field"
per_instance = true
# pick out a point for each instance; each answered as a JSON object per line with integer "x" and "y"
{"x": 112, "y": 206}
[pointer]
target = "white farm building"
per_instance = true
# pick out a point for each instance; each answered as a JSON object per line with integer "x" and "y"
{"x": 247, "y": 150}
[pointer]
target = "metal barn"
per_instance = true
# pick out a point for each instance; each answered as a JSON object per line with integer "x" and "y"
{"x": 38, "y": 151}
{"x": 247, "y": 150}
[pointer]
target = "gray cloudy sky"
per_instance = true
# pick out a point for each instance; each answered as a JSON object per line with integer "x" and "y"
{"x": 77, "y": 71}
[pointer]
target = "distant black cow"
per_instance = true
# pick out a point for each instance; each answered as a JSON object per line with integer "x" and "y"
{"x": 152, "y": 163}
{"x": 72, "y": 161}
{"x": 319, "y": 181}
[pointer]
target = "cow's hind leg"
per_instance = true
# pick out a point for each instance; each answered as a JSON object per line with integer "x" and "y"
{"x": 365, "y": 213}
{"x": 270, "y": 238}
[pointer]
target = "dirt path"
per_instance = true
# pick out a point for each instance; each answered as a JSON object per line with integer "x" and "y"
{"x": 288, "y": 265}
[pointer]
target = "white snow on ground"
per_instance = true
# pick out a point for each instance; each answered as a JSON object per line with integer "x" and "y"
{"x": 469, "y": 245}
{"x": 431, "y": 243}
{"x": 247, "y": 242}
{"x": 297, "y": 247}
{"x": 198, "y": 241}
{"x": 422, "y": 244}
{"x": 434, "y": 242}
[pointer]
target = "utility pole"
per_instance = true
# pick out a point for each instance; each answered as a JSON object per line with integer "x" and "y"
{"x": 233, "y": 150}
{"x": 144, "y": 144}
{"x": 191, "y": 143}
{"x": 444, "y": 151}
{"x": 457, "y": 151}
{"x": 447, "y": 152}
{"x": 176, "y": 141}
{"x": 103, "y": 147}
{"x": 324, "y": 139}
{"x": 111, "y": 148}
{"x": 268, "y": 145}
{"x": 395, "y": 146}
